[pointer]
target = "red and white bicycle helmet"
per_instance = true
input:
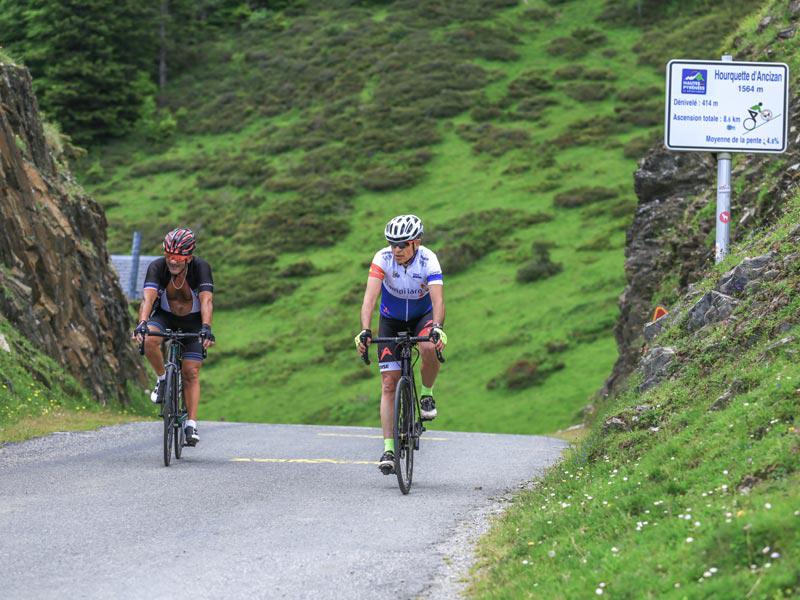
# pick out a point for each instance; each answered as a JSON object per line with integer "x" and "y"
{"x": 403, "y": 228}
{"x": 179, "y": 241}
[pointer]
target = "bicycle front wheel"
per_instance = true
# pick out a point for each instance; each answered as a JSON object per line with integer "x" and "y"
{"x": 179, "y": 422}
{"x": 404, "y": 434}
{"x": 170, "y": 414}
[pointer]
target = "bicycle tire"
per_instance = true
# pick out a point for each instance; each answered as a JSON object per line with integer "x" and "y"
{"x": 169, "y": 415}
{"x": 403, "y": 434}
{"x": 180, "y": 434}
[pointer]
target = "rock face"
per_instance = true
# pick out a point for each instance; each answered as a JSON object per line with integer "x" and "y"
{"x": 56, "y": 284}
{"x": 667, "y": 242}
{"x": 670, "y": 186}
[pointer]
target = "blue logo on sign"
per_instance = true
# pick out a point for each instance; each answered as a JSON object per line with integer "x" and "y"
{"x": 693, "y": 81}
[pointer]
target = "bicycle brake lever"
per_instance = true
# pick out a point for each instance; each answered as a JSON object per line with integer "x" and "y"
{"x": 365, "y": 357}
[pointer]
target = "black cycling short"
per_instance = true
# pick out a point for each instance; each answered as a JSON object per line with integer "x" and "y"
{"x": 390, "y": 328}
{"x": 191, "y": 323}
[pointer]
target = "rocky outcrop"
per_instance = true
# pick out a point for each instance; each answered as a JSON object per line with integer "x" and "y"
{"x": 671, "y": 187}
{"x": 667, "y": 241}
{"x": 56, "y": 284}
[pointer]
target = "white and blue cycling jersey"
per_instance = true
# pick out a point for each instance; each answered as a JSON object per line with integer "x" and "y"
{"x": 404, "y": 291}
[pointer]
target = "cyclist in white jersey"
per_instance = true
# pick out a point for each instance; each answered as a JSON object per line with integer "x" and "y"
{"x": 408, "y": 278}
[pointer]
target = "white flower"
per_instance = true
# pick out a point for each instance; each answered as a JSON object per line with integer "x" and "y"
{"x": 524, "y": 562}
{"x": 713, "y": 569}
{"x": 551, "y": 553}
{"x": 775, "y": 555}
{"x": 767, "y": 505}
{"x": 614, "y": 549}
{"x": 599, "y": 591}
{"x": 689, "y": 540}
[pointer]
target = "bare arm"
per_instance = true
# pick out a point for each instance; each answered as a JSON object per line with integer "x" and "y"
{"x": 206, "y": 307}
{"x": 370, "y": 296}
{"x": 149, "y": 296}
{"x": 437, "y": 299}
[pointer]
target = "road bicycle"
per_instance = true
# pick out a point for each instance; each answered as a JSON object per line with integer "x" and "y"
{"x": 407, "y": 425}
{"x": 173, "y": 406}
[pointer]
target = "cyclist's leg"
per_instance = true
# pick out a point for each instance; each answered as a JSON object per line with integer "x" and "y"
{"x": 430, "y": 365}
{"x": 389, "y": 381}
{"x": 390, "y": 372}
{"x": 158, "y": 321}
{"x": 191, "y": 386}
{"x": 192, "y": 361}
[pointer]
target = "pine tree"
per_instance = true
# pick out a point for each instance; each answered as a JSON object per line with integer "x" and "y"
{"x": 87, "y": 58}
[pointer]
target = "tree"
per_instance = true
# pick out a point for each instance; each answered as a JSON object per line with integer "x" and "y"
{"x": 85, "y": 57}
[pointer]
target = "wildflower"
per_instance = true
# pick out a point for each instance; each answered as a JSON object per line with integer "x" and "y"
{"x": 524, "y": 562}
{"x": 551, "y": 553}
{"x": 767, "y": 505}
{"x": 689, "y": 540}
{"x": 599, "y": 591}
{"x": 775, "y": 555}
{"x": 765, "y": 550}
{"x": 614, "y": 549}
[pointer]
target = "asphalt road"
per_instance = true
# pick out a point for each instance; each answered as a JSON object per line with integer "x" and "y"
{"x": 255, "y": 511}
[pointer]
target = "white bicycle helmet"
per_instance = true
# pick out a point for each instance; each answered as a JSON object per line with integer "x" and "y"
{"x": 403, "y": 228}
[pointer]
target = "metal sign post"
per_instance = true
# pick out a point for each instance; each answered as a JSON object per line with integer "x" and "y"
{"x": 135, "y": 251}
{"x": 724, "y": 107}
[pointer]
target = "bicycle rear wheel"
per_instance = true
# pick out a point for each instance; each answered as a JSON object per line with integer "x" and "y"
{"x": 404, "y": 434}
{"x": 169, "y": 414}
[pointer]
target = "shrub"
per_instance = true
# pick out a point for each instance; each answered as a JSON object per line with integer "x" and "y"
{"x": 381, "y": 179}
{"x": 600, "y": 75}
{"x": 470, "y": 237}
{"x": 302, "y": 268}
{"x": 540, "y": 267}
{"x": 569, "y": 72}
{"x": 583, "y": 195}
{"x": 567, "y": 47}
{"x": 525, "y": 373}
{"x": 492, "y": 140}
{"x": 638, "y": 93}
{"x": 589, "y": 36}
{"x": 556, "y": 346}
{"x": 588, "y": 92}
{"x": 529, "y": 83}
{"x": 539, "y": 14}
{"x": 637, "y": 147}
{"x": 485, "y": 113}
{"x": 644, "y": 114}
{"x": 598, "y": 243}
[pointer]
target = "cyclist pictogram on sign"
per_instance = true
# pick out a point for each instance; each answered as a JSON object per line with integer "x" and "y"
{"x": 724, "y": 216}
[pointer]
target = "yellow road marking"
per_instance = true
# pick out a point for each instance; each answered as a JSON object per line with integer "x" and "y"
{"x": 307, "y": 461}
{"x": 379, "y": 437}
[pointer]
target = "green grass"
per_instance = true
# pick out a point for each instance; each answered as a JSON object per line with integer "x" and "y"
{"x": 400, "y": 84}
{"x": 38, "y": 397}
{"x": 691, "y": 502}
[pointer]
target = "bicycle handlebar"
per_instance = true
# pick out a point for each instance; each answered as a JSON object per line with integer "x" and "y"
{"x": 397, "y": 340}
{"x": 172, "y": 335}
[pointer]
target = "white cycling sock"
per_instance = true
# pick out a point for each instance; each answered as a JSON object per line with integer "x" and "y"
{"x": 162, "y": 377}
{"x": 190, "y": 423}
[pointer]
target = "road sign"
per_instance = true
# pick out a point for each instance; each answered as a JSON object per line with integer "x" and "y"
{"x": 726, "y": 106}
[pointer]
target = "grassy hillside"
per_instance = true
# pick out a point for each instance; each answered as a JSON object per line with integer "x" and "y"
{"x": 511, "y": 128}
{"x": 38, "y": 397}
{"x": 698, "y": 495}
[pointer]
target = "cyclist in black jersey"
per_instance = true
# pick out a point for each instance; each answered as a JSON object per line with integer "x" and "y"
{"x": 178, "y": 294}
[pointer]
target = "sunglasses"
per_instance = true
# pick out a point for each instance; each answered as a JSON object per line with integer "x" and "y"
{"x": 400, "y": 245}
{"x": 177, "y": 257}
